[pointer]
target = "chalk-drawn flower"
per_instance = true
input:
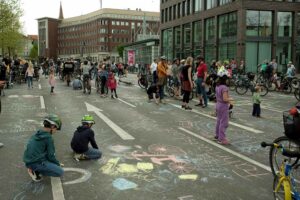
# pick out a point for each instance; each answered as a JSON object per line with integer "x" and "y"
{"x": 181, "y": 167}
{"x": 165, "y": 150}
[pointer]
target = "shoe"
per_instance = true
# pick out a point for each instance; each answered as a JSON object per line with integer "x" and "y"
{"x": 79, "y": 157}
{"x": 204, "y": 106}
{"x": 35, "y": 177}
{"x": 112, "y": 96}
{"x": 156, "y": 101}
{"x": 223, "y": 142}
{"x": 116, "y": 96}
{"x": 199, "y": 104}
{"x": 188, "y": 108}
{"x": 182, "y": 106}
{"x": 215, "y": 138}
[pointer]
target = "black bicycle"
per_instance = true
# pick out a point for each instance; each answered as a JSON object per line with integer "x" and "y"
{"x": 248, "y": 84}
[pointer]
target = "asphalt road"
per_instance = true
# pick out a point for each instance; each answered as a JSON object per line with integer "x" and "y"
{"x": 149, "y": 151}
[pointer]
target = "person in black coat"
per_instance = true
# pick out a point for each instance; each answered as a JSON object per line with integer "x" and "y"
{"x": 81, "y": 139}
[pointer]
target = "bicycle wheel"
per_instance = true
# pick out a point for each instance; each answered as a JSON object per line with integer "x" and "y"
{"x": 287, "y": 89}
{"x": 297, "y": 94}
{"x": 275, "y": 155}
{"x": 263, "y": 90}
{"x": 281, "y": 190}
{"x": 241, "y": 89}
{"x": 295, "y": 83}
{"x": 231, "y": 84}
{"x": 170, "y": 90}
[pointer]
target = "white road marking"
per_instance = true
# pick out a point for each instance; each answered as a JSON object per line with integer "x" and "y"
{"x": 119, "y": 131}
{"x": 136, "y": 86}
{"x": 13, "y": 96}
{"x": 227, "y": 150}
{"x": 127, "y": 103}
{"x": 42, "y": 102}
{"x": 231, "y": 123}
{"x": 40, "y": 87}
{"x": 86, "y": 175}
{"x": 57, "y": 190}
{"x": 94, "y": 88}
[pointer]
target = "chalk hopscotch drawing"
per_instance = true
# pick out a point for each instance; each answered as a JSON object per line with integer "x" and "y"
{"x": 86, "y": 175}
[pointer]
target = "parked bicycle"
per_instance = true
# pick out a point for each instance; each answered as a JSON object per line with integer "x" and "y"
{"x": 248, "y": 83}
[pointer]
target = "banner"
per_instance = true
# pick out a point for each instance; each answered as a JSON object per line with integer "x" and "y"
{"x": 131, "y": 57}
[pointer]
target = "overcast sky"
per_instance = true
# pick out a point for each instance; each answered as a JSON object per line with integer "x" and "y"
{"x": 34, "y": 9}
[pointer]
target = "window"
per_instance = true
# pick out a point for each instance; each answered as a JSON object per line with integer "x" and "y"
{"x": 209, "y": 29}
{"x": 211, "y": 4}
{"x": 183, "y": 9}
{"x": 197, "y": 32}
{"x": 179, "y": 10}
{"x": 162, "y": 16}
{"x": 284, "y": 22}
{"x": 222, "y": 2}
{"x": 170, "y": 13}
{"x": 177, "y": 35}
{"x": 198, "y": 5}
{"x": 187, "y": 34}
{"x": 259, "y": 23}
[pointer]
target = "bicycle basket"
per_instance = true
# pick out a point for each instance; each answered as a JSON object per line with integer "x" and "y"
{"x": 291, "y": 126}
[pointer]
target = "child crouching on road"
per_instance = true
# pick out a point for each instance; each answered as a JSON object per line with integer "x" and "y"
{"x": 112, "y": 84}
{"x": 39, "y": 156}
{"x": 81, "y": 139}
{"x": 256, "y": 102}
{"x": 153, "y": 93}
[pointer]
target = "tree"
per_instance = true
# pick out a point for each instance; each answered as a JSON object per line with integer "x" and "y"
{"x": 34, "y": 52}
{"x": 120, "y": 50}
{"x": 10, "y": 27}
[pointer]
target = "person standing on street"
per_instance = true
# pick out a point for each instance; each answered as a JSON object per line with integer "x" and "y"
{"x": 52, "y": 81}
{"x": 162, "y": 77}
{"x": 81, "y": 139}
{"x": 256, "y": 102}
{"x": 223, "y": 101}
{"x": 153, "y": 71}
{"x": 201, "y": 79}
{"x": 29, "y": 74}
{"x": 176, "y": 70}
{"x": 112, "y": 84}
{"x": 187, "y": 83}
{"x": 1, "y": 85}
{"x": 39, "y": 156}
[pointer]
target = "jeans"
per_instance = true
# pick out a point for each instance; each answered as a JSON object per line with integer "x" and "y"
{"x": 201, "y": 90}
{"x": 47, "y": 168}
{"x": 29, "y": 81}
{"x": 93, "y": 153}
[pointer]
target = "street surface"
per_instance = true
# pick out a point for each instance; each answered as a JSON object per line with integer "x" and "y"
{"x": 150, "y": 152}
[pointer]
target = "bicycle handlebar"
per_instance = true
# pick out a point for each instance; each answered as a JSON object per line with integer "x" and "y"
{"x": 285, "y": 152}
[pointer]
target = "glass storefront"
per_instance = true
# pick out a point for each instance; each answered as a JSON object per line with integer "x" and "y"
{"x": 284, "y": 24}
{"x": 197, "y": 37}
{"x": 257, "y": 53}
{"x": 210, "y": 39}
{"x": 167, "y": 47}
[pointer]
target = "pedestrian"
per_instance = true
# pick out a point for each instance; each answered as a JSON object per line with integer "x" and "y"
{"x": 52, "y": 81}
{"x": 187, "y": 83}
{"x": 81, "y": 139}
{"x": 162, "y": 77}
{"x": 223, "y": 101}
{"x": 153, "y": 69}
{"x": 39, "y": 156}
{"x": 201, "y": 80}
{"x": 256, "y": 102}
{"x": 176, "y": 70}
{"x": 103, "y": 75}
{"x": 29, "y": 74}
{"x": 112, "y": 84}
{"x": 291, "y": 71}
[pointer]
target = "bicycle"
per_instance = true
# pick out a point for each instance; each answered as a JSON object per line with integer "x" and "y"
{"x": 284, "y": 185}
{"x": 248, "y": 84}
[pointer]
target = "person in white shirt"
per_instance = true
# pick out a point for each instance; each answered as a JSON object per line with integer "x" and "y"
{"x": 153, "y": 69}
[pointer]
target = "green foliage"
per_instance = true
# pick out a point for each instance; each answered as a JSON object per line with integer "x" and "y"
{"x": 120, "y": 50}
{"x": 34, "y": 52}
{"x": 10, "y": 26}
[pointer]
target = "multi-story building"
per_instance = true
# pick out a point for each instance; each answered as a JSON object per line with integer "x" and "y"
{"x": 96, "y": 35}
{"x": 249, "y": 30}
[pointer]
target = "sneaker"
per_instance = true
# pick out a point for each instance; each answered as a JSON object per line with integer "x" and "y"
{"x": 215, "y": 138}
{"x": 199, "y": 104}
{"x": 112, "y": 96}
{"x": 116, "y": 96}
{"x": 204, "y": 106}
{"x": 182, "y": 106}
{"x": 79, "y": 157}
{"x": 224, "y": 142}
{"x": 35, "y": 177}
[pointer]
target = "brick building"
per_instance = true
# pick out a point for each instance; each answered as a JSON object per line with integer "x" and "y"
{"x": 95, "y": 35}
{"x": 250, "y": 30}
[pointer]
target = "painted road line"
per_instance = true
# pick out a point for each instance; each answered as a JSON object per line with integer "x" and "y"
{"x": 231, "y": 123}
{"x": 136, "y": 86}
{"x": 94, "y": 88}
{"x": 42, "y": 102}
{"x": 57, "y": 190}
{"x": 119, "y": 131}
{"x": 265, "y": 167}
{"x": 126, "y": 103}
{"x": 40, "y": 87}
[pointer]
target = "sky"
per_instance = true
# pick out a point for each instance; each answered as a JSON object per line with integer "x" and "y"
{"x": 34, "y": 9}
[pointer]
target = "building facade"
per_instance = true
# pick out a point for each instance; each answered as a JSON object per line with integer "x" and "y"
{"x": 249, "y": 30}
{"x": 95, "y": 35}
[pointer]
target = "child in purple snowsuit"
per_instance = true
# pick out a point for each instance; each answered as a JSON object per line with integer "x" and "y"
{"x": 223, "y": 102}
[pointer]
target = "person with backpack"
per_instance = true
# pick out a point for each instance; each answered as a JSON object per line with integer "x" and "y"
{"x": 39, "y": 156}
{"x": 81, "y": 139}
{"x": 291, "y": 71}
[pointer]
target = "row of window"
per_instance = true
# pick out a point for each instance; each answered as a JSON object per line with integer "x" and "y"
{"x": 82, "y": 50}
{"x": 91, "y": 42}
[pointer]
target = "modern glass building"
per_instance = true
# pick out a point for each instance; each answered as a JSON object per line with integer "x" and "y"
{"x": 249, "y": 30}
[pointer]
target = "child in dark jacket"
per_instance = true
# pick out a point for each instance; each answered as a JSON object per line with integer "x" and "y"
{"x": 81, "y": 139}
{"x": 39, "y": 156}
